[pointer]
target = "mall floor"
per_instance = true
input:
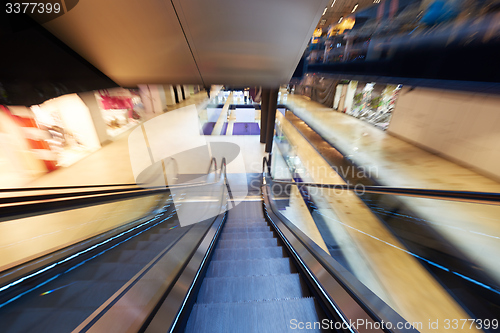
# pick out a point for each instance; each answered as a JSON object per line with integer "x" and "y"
{"x": 108, "y": 165}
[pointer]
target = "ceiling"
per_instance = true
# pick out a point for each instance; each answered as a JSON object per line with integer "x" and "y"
{"x": 335, "y": 9}
{"x": 237, "y": 42}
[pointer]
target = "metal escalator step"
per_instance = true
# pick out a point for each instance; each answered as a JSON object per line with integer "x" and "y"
{"x": 155, "y": 245}
{"x": 44, "y": 320}
{"x": 228, "y": 268}
{"x": 246, "y": 225}
{"x": 246, "y": 235}
{"x": 238, "y": 214}
{"x": 250, "y": 221}
{"x": 245, "y": 228}
{"x": 248, "y": 253}
{"x": 132, "y": 256}
{"x": 304, "y": 310}
{"x": 157, "y": 237}
{"x": 251, "y": 288}
{"x": 253, "y": 317}
{"x": 243, "y": 243}
{"x": 111, "y": 271}
{"x": 88, "y": 294}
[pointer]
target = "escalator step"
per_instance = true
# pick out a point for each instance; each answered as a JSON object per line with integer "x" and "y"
{"x": 155, "y": 245}
{"x": 47, "y": 320}
{"x": 132, "y": 256}
{"x": 245, "y": 228}
{"x": 246, "y": 225}
{"x": 227, "y": 268}
{"x": 248, "y": 253}
{"x": 253, "y": 221}
{"x": 253, "y": 317}
{"x": 251, "y": 288}
{"x": 249, "y": 215}
{"x": 156, "y": 237}
{"x": 246, "y": 235}
{"x": 243, "y": 243}
{"x": 88, "y": 293}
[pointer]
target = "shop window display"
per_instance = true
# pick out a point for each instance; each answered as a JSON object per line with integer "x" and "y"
{"x": 121, "y": 109}
{"x": 70, "y": 130}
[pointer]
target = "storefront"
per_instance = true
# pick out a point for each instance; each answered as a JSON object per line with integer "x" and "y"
{"x": 24, "y": 154}
{"x": 71, "y": 134}
{"x": 368, "y": 101}
{"x": 121, "y": 109}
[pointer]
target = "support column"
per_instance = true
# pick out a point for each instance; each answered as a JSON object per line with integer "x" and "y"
{"x": 169, "y": 94}
{"x": 271, "y": 118}
{"x": 264, "y": 106}
{"x": 179, "y": 93}
{"x": 96, "y": 114}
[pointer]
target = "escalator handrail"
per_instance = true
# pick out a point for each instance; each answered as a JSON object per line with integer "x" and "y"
{"x": 171, "y": 310}
{"x": 73, "y": 187}
{"x": 213, "y": 162}
{"x": 463, "y": 196}
{"x": 23, "y": 270}
{"x": 55, "y": 188}
{"x": 339, "y": 288}
{"x": 33, "y": 205}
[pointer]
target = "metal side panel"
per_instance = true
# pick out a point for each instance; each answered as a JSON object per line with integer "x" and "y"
{"x": 342, "y": 293}
{"x": 172, "y": 311}
{"x": 132, "y": 307}
{"x": 36, "y": 268}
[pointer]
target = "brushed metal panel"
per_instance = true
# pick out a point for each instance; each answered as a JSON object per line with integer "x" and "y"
{"x": 234, "y": 42}
{"x": 241, "y": 42}
{"x": 130, "y": 41}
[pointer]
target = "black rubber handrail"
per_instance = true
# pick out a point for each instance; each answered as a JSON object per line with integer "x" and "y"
{"x": 170, "y": 313}
{"x": 53, "y": 188}
{"x": 343, "y": 295}
{"x": 55, "y": 196}
{"x": 33, "y": 205}
{"x": 463, "y": 196}
{"x": 213, "y": 162}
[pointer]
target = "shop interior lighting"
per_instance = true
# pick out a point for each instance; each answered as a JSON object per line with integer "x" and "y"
{"x": 340, "y": 19}
{"x": 354, "y": 9}
{"x": 324, "y": 12}
{"x": 333, "y": 3}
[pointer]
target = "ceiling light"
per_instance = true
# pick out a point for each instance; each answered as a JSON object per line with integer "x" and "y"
{"x": 341, "y": 18}
{"x": 333, "y": 3}
{"x": 354, "y": 9}
{"x": 324, "y": 11}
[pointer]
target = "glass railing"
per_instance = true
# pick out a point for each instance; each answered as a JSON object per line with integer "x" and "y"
{"x": 126, "y": 251}
{"x": 35, "y": 236}
{"x": 28, "y": 235}
{"x": 433, "y": 261}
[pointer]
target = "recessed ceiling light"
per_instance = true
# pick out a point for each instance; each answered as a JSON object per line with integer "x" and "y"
{"x": 341, "y": 18}
{"x": 354, "y": 9}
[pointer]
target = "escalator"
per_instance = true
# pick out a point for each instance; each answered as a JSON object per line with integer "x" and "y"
{"x": 245, "y": 267}
{"x": 251, "y": 281}
{"x": 65, "y": 302}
